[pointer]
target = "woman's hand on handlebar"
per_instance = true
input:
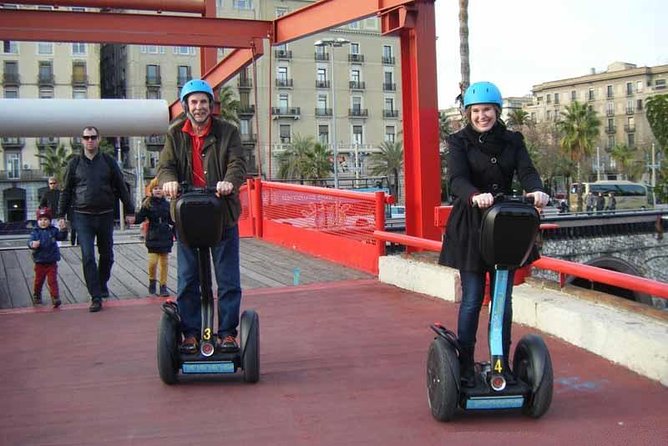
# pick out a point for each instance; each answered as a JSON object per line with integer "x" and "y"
{"x": 483, "y": 201}
{"x": 171, "y": 189}
{"x": 540, "y": 199}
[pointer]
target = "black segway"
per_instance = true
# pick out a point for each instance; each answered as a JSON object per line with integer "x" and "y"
{"x": 507, "y": 234}
{"x": 199, "y": 215}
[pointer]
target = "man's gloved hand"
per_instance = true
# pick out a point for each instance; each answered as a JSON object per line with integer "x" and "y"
{"x": 540, "y": 199}
{"x": 483, "y": 201}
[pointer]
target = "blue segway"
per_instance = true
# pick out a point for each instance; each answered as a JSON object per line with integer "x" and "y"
{"x": 198, "y": 218}
{"x": 507, "y": 235}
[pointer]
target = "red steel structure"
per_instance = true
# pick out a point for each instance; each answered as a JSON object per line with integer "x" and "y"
{"x": 411, "y": 20}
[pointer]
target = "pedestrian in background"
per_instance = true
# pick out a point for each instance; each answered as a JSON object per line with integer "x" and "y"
{"x": 46, "y": 254}
{"x": 612, "y": 202}
{"x": 600, "y": 202}
{"x": 159, "y": 237}
{"x": 51, "y": 197}
{"x": 93, "y": 183}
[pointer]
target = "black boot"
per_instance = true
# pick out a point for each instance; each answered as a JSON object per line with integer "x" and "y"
{"x": 467, "y": 365}
{"x": 152, "y": 284}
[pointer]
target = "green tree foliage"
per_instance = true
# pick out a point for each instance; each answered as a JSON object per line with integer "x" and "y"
{"x": 229, "y": 105}
{"x": 656, "y": 110}
{"x": 542, "y": 141}
{"x": 54, "y": 161}
{"x": 388, "y": 162}
{"x": 625, "y": 158}
{"x": 517, "y": 119}
{"x": 580, "y": 129}
{"x": 305, "y": 160}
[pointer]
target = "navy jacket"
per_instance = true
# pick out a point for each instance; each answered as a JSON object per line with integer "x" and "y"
{"x": 160, "y": 233}
{"x": 48, "y": 237}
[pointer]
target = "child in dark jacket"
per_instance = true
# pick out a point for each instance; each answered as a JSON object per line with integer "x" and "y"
{"x": 46, "y": 254}
{"x": 159, "y": 236}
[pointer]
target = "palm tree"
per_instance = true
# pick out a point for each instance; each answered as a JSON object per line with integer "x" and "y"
{"x": 389, "y": 161}
{"x": 517, "y": 118}
{"x": 54, "y": 161}
{"x": 624, "y": 157}
{"x": 304, "y": 159}
{"x": 464, "y": 63}
{"x": 229, "y": 105}
{"x": 579, "y": 126}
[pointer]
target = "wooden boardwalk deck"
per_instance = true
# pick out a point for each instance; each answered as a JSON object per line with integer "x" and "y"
{"x": 262, "y": 265}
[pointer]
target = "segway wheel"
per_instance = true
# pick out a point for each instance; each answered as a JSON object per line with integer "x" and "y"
{"x": 442, "y": 379}
{"x": 533, "y": 365}
{"x": 168, "y": 363}
{"x": 250, "y": 345}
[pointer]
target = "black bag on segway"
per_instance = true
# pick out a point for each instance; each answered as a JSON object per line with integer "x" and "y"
{"x": 199, "y": 219}
{"x": 507, "y": 233}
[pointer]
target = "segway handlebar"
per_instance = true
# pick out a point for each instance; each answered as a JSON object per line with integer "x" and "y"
{"x": 501, "y": 198}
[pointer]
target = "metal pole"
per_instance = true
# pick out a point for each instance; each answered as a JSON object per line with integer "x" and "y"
{"x": 121, "y": 211}
{"x": 336, "y": 143}
{"x": 598, "y": 163}
{"x": 653, "y": 175}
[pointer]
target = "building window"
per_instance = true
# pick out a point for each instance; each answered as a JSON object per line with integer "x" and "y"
{"x": 354, "y": 48}
{"x": 10, "y": 47}
{"x": 152, "y": 93}
{"x": 389, "y": 104}
{"x": 354, "y": 25}
{"x": 590, "y": 95}
{"x": 79, "y": 93}
{"x": 356, "y": 105}
{"x": 609, "y": 91}
{"x": 323, "y": 134}
{"x": 358, "y": 134}
{"x": 285, "y": 133}
{"x": 183, "y": 75}
{"x": 242, "y": 4}
{"x": 574, "y": 95}
{"x": 548, "y": 98}
{"x": 388, "y": 57}
{"x": 13, "y": 161}
{"x": 152, "y": 49}
{"x": 639, "y": 104}
{"x": 355, "y": 76}
{"x": 611, "y": 141}
{"x": 629, "y": 88}
{"x": 244, "y": 127}
{"x": 629, "y": 106}
{"x": 153, "y": 74}
{"x": 321, "y": 75}
{"x": 280, "y": 12}
{"x": 322, "y": 101}
{"x": 282, "y": 73}
{"x": 79, "y": 49}
{"x": 184, "y": 50}
{"x": 631, "y": 140}
{"x": 11, "y": 93}
{"x": 390, "y": 134}
{"x": 638, "y": 86}
{"x": 45, "y": 73}
{"x": 610, "y": 109}
{"x": 283, "y": 102}
{"x": 45, "y": 48}
{"x": 556, "y": 99}
{"x": 660, "y": 84}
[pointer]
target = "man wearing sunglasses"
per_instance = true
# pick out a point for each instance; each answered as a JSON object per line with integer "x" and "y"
{"x": 93, "y": 183}
{"x": 51, "y": 197}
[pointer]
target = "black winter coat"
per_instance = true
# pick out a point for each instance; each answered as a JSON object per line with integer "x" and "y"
{"x": 481, "y": 167}
{"x": 160, "y": 233}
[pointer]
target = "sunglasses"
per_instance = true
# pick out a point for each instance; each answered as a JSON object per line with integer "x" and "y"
{"x": 89, "y": 137}
{"x": 52, "y": 183}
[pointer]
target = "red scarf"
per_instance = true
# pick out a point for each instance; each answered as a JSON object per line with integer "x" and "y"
{"x": 199, "y": 177}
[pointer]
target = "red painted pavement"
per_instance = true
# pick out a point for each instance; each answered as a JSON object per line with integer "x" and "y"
{"x": 342, "y": 364}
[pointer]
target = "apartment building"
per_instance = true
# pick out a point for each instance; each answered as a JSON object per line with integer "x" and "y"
{"x": 618, "y": 97}
{"x": 39, "y": 70}
{"x": 346, "y": 89}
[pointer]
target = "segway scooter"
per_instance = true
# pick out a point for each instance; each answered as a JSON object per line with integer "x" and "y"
{"x": 507, "y": 234}
{"x": 199, "y": 215}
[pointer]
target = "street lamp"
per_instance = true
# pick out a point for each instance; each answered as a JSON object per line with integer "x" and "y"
{"x": 333, "y": 43}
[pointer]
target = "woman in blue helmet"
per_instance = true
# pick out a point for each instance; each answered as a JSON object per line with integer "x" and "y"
{"x": 204, "y": 151}
{"x": 483, "y": 159}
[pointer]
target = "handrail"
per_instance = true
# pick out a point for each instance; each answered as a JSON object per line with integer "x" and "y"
{"x": 593, "y": 273}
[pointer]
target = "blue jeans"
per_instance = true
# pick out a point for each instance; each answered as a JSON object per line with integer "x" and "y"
{"x": 473, "y": 293}
{"x": 89, "y": 228}
{"x": 228, "y": 277}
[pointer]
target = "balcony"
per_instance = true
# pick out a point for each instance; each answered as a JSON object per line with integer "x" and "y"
{"x": 283, "y": 54}
{"x": 246, "y": 110}
{"x": 248, "y": 138}
{"x": 48, "y": 141}
{"x": 357, "y": 85}
{"x": 46, "y": 80}
{"x": 154, "y": 142}
{"x": 245, "y": 83}
{"x": 611, "y": 129}
{"x": 284, "y": 83}
{"x": 322, "y": 84}
{"x": 356, "y": 58}
{"x": 153, "y": 80}
{"x": 390, "y": 113}
{"x": 12, "y": 143}
{"x": 630, "y": 110}
{"x": 389, "y": 86}
{"x": 319, "y": 111}
{"x": 286, "y": 112}
{"x": 610, "y": 113}
{"x": 321, "y": 57}
{"x": 389, "y": 60}
{"x": 629, "y": 92}
{"x": 80, "y": 80}
{"x": 11, "y": 79}
{"x": 22, "y": 174}
{"x": 358, "y": 112}
{"x": 629, "y": 128}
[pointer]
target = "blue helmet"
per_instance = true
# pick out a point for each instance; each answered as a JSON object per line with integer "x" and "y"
{"x": 482, "y": 93}
{"x": 196, "y": 86}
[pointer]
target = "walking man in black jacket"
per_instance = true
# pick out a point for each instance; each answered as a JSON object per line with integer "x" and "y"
{"x": 93, "y": 183}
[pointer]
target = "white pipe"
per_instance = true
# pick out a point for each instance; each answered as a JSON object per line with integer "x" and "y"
{"x": 67, "y": 117}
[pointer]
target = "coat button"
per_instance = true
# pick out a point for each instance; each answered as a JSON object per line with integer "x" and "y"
{"x": 492, "y": 160}
{"x": 495, "y": 187}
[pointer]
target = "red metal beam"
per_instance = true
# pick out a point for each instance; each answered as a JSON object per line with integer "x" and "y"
{"x": 65, "y": 26}
{"x": 420, "y": 110}
{"x": 327, "y": 14}
{"x": 194, "y": 6}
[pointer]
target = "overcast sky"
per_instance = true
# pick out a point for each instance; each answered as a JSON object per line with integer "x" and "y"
{"x": 520, "y": 43}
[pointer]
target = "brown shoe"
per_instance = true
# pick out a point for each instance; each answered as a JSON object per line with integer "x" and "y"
{"x": 189, "y": 345}
{"x": 227, "y": 344}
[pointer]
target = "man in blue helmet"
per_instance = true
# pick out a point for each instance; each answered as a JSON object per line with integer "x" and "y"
{"x": 483, "y": 159}
{"x": 204, "y": 151}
